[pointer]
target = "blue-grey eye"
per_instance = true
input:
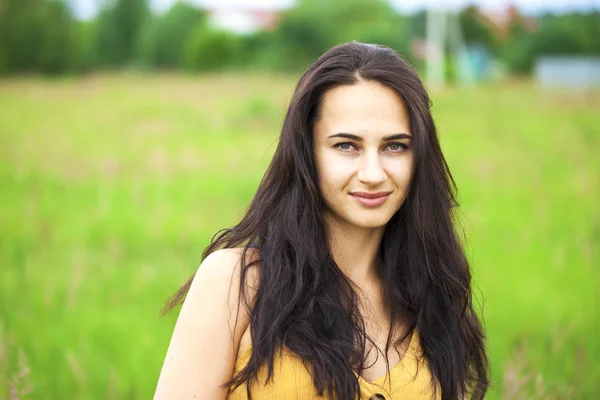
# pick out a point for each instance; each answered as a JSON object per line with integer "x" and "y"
{"x": 396, "y": 146}
{"x": 345, "y": 146}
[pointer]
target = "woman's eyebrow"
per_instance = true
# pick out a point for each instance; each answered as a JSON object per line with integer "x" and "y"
{"x": 351, "y": 136}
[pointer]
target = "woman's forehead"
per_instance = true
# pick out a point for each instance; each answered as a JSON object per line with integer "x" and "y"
{"x": 366, "y": 108}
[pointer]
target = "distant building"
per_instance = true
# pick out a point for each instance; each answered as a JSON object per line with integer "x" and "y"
{"x": 480, "y": 61}
{"x": 501, "y": 20}
{"x": 573, "y": 72}
{"x": 244, "y": 20}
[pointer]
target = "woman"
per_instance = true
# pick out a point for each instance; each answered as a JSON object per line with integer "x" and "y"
{"x": 345, "y": 279}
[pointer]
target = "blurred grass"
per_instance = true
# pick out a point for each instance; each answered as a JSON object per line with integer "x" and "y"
{"x": 113, "y": 185}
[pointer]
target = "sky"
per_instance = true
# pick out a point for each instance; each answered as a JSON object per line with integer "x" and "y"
{"x": 86, "y": 9}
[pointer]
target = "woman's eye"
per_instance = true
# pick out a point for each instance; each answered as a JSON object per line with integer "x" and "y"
{"x": 397, "y": 146}
{"x": 345, "y": 146}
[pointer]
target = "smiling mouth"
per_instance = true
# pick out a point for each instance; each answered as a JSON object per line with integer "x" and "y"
{"x": 371, "y": 199}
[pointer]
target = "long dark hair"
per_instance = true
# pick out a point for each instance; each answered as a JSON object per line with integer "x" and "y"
{"x": 304, "y": 301}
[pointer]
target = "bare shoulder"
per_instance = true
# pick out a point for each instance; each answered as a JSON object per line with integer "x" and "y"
{"x": 226, "y": 263}
{"x": 201, "y": 355}
{"x": 219, "y": 275}
{"x": 223, "y": 268}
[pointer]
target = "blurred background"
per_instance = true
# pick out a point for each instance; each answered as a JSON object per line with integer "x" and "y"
{"x": 132, "y": 130}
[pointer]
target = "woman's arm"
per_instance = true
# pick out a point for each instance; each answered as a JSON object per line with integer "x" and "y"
{"x": 202, "y": 354}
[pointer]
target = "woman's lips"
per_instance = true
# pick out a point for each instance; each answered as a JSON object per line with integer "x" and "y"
{"x": 371, "y": 199}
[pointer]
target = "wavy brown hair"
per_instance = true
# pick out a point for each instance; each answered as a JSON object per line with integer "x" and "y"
{"x": 304, "y": 302}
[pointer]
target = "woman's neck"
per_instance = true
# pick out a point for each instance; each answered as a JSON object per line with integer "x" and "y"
{"x": 355, "y": 249}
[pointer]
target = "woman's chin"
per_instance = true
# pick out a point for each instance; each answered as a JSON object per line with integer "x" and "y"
{"x": 369, "y": 223}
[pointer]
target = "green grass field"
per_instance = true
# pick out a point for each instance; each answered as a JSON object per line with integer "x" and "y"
{"x": 111, "y": 187}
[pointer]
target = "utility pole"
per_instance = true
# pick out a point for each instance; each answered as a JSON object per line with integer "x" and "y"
{"x": 435, "y": 52}
{"x": 444, "y": 27}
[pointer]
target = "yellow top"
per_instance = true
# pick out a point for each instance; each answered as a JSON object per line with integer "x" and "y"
{"x": 293, "y": 381}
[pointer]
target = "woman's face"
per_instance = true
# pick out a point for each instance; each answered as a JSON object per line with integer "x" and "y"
{"x": 363, "y": 153}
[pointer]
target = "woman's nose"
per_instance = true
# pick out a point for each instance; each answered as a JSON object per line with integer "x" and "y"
{"x": 370, "y": 170}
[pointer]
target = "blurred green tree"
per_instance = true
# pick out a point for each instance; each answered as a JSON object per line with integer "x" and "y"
{"x": 476, "y": 30}
{"x": 312, "y": 27}
{"x": 164, "y": 39}
{"x": 209, "y": 49}
{"x": 36, "y": 36}
{"x": 117, "y": 35}
{"x": 565, "y": 34}
{"x": 418, "y": 24}
{"x": 56, "y": 51}
{"x": 19, "y": 35}
{"x": 82, "y": 41}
